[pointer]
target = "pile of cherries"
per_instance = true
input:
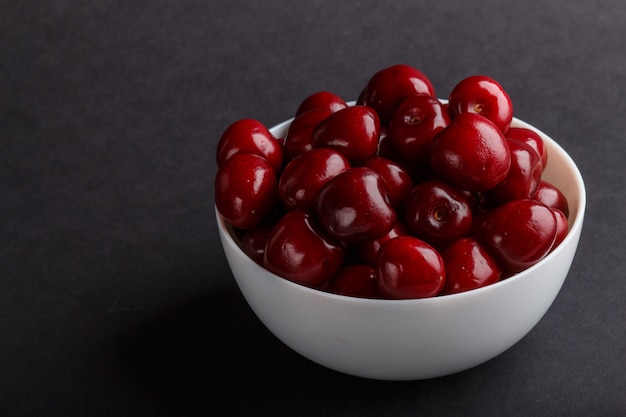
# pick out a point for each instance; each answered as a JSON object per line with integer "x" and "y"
{"x": 400, "y": 195}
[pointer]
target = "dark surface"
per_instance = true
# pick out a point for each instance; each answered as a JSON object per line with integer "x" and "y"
{"x": 115, "y": 296}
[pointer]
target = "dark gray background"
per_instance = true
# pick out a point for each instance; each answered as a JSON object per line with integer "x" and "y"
{"x": 115, "y": 296}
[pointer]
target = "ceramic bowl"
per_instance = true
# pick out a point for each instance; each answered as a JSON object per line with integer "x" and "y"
{"x": 420, "y": 338}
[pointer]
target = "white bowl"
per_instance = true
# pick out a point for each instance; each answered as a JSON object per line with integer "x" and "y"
{"x": 413, "y": 339}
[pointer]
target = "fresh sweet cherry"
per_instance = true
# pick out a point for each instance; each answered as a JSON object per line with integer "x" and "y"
{"x": 397, "y": 179}
{"x": 358, "y": 280}
{"x": 246, "y": 190}
{"x": 523, "y": 177}
{"x": 471, "y": 153}
{"x": 352, "y": 131}
{"x": 519, "y": 233}
{"x": 552, "y": 197}
{"x": 297, "y": 251}
{"x": 409, "y": 268}
{"x": 468, "y": 266}
{"x": 384, "y": 144}
{"x": 532, "y": 138}
{"x": 254, "y": 241}
{"x": 322, "y": 100}
{"x": 249, "y": 136}
{"x": 437, "y": 212}
{"x": 360, "y": 200}
{"x": 414, "y": 124}
{"x": 299, "y": 136}
{"x": 389, "y": 86}
{"x": 353, "y": 206}
{"x": 304, "y": 176}
{"x": 367, "y": 250}
{"x": 482, "y": 95}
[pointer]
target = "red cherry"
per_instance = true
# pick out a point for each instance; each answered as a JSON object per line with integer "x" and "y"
{"x": 304, "y": 176}
{"x": 357, "y": 280}
{"x": 367, "y": 250}
{"x": 519, "y": 233}
{"x": 353, "y": 206}
{"x": 552, "y": 197}
{"x": 409, "y": 268}
{"x": 389, "y": 86}
{"x": 298, "y": 252}
{"x": 249, "y": 136}
{"x": 319, "y": 205}
{"x": 531, "y": 138}
{"x": 437, "y": 212}
{"x": 524, "y": 174}
{"x": 246, "y": 190}
{"x": 254, "y": 241}
{"x": 471, "y": 153}
{"x": 299, "y": 136}
{"x": 414, "y": 124}
{"x": 353, "y": 131}
{"x": 468, "y": 266}
{"x": 482, "y": 95}
{"x": 384, "y": 144}
{"x": 321, "y": 100}
{"x": 398, "y": 181}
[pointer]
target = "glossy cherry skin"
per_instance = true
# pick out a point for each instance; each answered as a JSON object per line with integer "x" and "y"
{"x": 353, "y": 206}
{"x": 482, "y": 95}
{"x": 367, "y": 250}
{"x": 468, "y": 266}
{"x": 409, "y": 268}
{"x": 322, "y": 100}
{"x": 299, "y": 136}
{"x": 471, "y": 153}
{"x": 397, "y": 179}
{"x": 389, "y": 86}
{"x": 552, "y": 197}
{"x": 437, "y": 212}
{"x": 358, "y": 280}
{"x": 523, "y": 177}
{"x": 384, "y": 144}
{"x": 249, "y": 136}
{"x": 531, "y": 138}
{"x": 414, "y": 123}
{"x": 297, "y": 251}
{"x": 246, "y": 190}
{"x": 254, "y": 241}
{"x": 519, "y": 233}
{"x": 305, "y": 175}
{"x": 353, "y": 131}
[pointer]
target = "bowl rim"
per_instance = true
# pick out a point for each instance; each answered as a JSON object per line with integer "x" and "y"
{"x": 574, "y": 229}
